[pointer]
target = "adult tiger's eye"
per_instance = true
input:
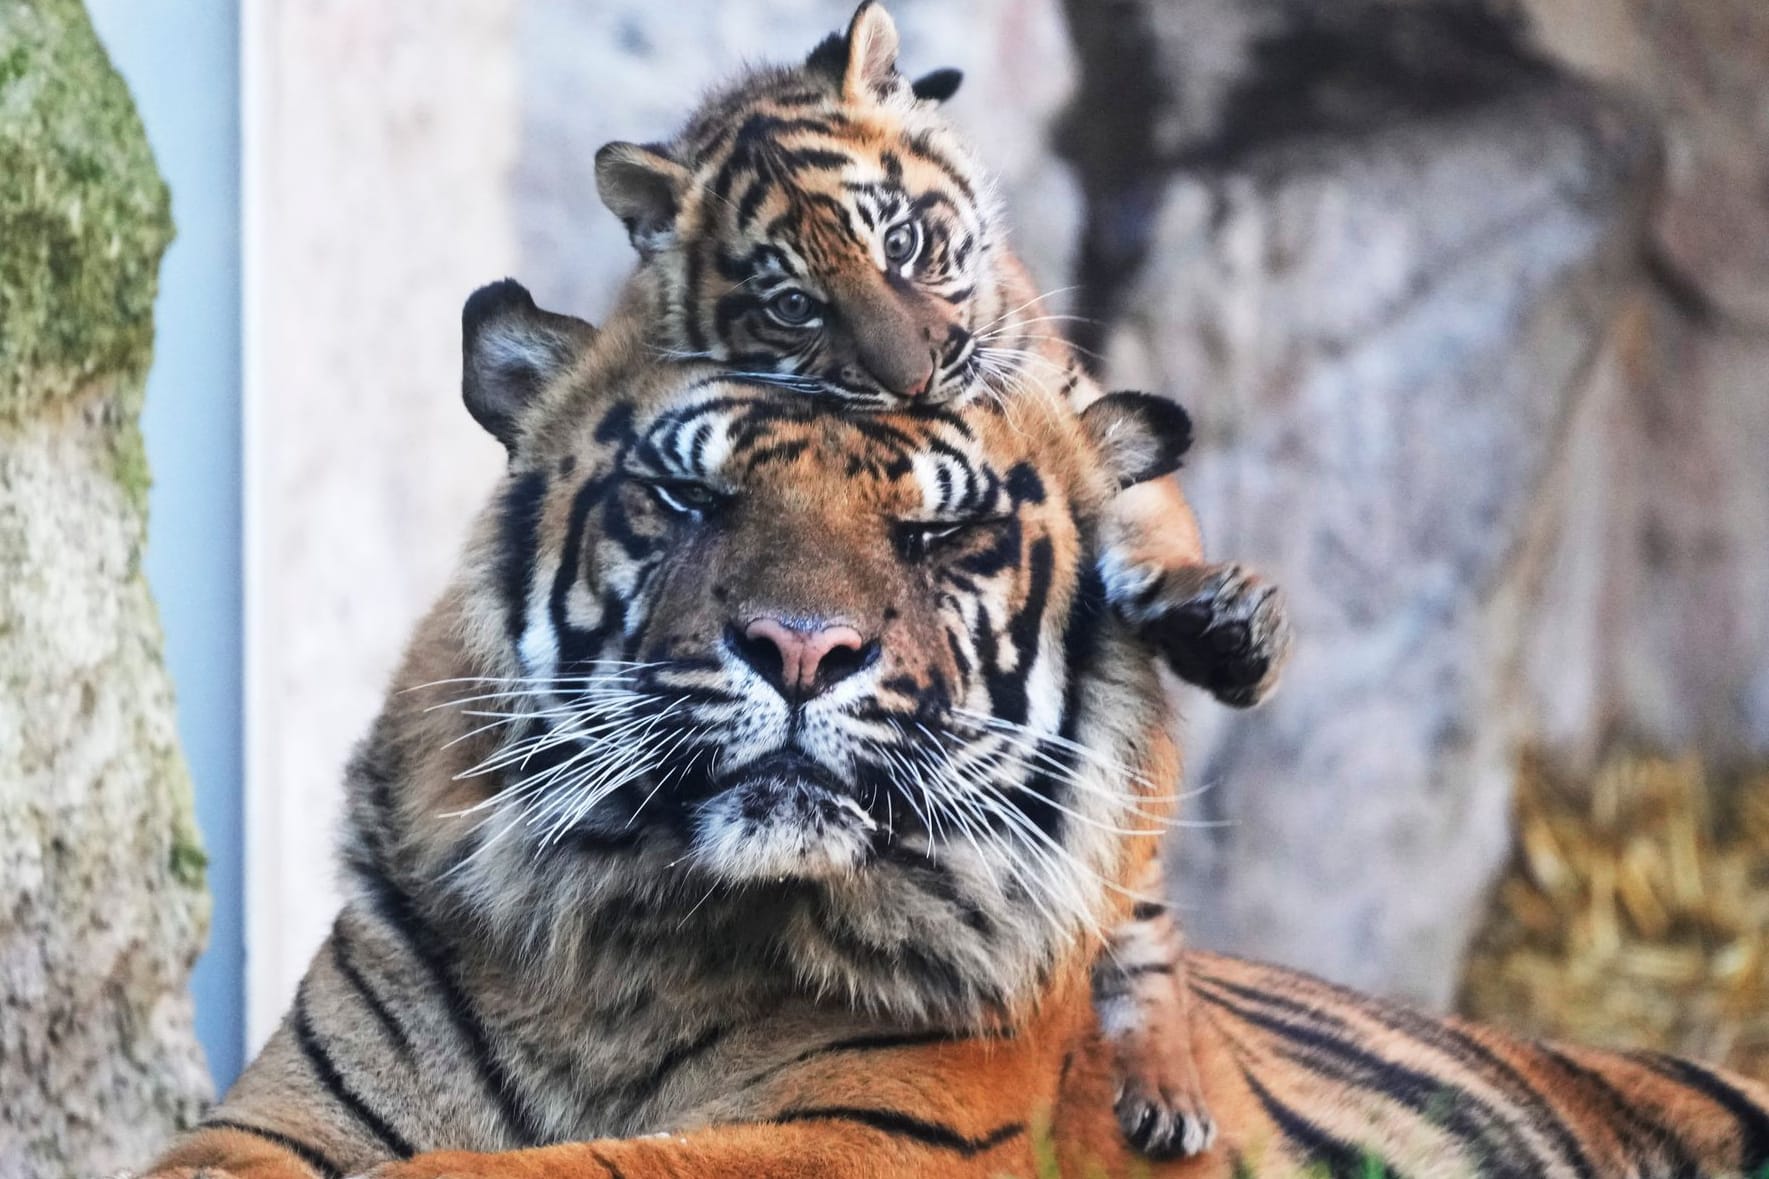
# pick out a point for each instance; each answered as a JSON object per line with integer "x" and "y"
{"x": 686, "y": 497}
{"x": 902, "y": 242}
{"x": 919, "y": 539}
{"x": 793, "y": 308}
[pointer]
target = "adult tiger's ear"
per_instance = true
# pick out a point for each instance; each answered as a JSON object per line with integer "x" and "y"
{"x": 1138, "y": 436}
{"x": 937, "y": 86}
{"x": 510, "y": 351}
{"x": 643, "y": 187}
{"x": 871, "y": 68}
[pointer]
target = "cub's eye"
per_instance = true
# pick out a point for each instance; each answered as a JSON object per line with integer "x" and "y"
{"x": 902, "y": 242}
{"x": 793, "y": 308}
{"x": 917, "y": 539}
{"x": 685, "y": 497}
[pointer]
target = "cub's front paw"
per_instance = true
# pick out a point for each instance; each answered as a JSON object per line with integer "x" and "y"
{"x": 1224, "y": 629}
{"x": 1163, "y": 1116}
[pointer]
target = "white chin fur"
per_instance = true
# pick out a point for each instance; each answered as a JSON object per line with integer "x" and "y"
{"x": 772, "y": 828}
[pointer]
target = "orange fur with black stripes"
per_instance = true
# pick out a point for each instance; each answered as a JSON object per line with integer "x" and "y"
{"x": 638, "y": 888}
{"x": 822, "y": 227}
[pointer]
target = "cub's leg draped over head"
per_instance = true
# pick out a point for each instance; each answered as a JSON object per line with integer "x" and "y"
{"x": 751, "y": 803}
{"x": 822, "y": 227}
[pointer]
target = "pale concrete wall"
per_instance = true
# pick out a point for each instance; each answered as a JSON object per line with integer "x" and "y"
{"x": 380, "y": 141}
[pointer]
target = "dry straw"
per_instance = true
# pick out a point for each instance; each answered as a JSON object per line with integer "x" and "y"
{"x": 1635, "y": 913}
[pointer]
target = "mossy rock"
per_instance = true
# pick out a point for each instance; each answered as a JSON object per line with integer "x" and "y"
{"x": 84, "y": 215}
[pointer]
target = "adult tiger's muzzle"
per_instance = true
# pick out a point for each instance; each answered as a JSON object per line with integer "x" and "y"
{"x": 783, "y": 816}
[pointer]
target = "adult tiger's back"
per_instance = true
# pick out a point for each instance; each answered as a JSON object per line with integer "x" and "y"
{"x": 1313, "y": 1079}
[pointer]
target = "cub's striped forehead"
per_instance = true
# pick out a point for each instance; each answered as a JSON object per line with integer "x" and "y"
{"x": 790, "y": 165}
{"x": 784, "y": 125}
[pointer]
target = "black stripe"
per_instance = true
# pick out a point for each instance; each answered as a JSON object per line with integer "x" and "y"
{"x": 907, "y": 1040}
{"x": 329, "y": 1076}
{"x": 691, "y": 284}
{"x": 1752, "y": 1119}
{"x": 310, "y": 1155}
{"x": 398, "y": 911}
{"x": 1007, "y": 689}
{"x": 614, "y": 1172}
{"x": 928, "y": 874}
{"x": 519, "y": 517}
{"x": 1147, "y": 968}
{"x": 880, "y": 1043}
{"x": 1341, "y": 1159}
{"x": 1461, "y": 1113}
{"x": 753, "y": 196}
{"x": 922, "y": 146}
{"x": 817, "y": 159}
{"x": 1639, "y": 1133}
{"x": 901, "y": 1125}
{"x": 344, "y": 959}
{"x": 639, "y": 1092}
{"x": 1463, "y": 1048}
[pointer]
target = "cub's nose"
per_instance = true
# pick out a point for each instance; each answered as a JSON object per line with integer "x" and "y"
{"x": 801, "y": 659}
{"x": 916, "y": 387}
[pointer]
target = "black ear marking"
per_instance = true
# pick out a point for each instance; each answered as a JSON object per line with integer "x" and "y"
{"x": 937, "y": 86}
{"x": 829, "y": 58}
{"x": 510, "y": 351}
{"x": 1139, "y": 436}
{"x": 642, "y": 186}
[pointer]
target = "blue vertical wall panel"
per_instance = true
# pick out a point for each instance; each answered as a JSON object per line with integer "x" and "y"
{"x": 181, "y": 60}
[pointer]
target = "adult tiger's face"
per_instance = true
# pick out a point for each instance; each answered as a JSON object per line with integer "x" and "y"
{"x": 821, "y": 222}
{"x": 790, "y": 643}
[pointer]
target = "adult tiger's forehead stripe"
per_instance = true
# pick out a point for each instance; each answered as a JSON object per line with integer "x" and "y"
{"x": 681, "y": 441}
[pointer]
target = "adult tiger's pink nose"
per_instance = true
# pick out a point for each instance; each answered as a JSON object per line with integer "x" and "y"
{"x": 802, "y": 659}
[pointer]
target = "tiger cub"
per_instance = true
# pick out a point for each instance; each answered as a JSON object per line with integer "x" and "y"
{"x": 821, "y": 227}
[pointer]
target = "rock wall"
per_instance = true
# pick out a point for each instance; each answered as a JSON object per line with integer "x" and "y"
{"x": 1380, "y": 251}
{"x": 1657, "y": 635}
{"x": 1469, "y": 301}
{"x": 102, "y": 908}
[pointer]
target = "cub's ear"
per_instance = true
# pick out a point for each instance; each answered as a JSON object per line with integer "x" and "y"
{"x": 1139, "y": 436}
{"x": 871, "y": 67}
{"x": 510, "y": 350}
{"x": 643, "y": 187}
{"x": 937, "y": 86}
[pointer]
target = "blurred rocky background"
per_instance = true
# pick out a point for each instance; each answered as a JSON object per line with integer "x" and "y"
{"x": 1470, "y": 301}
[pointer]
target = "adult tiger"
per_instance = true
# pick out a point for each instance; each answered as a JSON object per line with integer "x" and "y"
{"x": 824, "y": 228}
{"x": 758, "y": 785}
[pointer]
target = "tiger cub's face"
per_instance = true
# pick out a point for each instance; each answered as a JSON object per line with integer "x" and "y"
{"x": 791, "y": 643}
{"x": 822, "y": 223}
